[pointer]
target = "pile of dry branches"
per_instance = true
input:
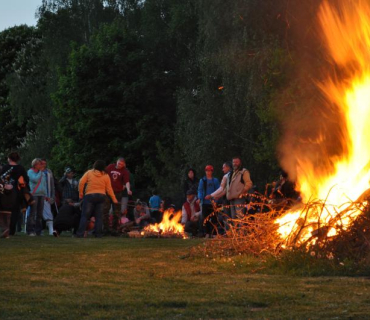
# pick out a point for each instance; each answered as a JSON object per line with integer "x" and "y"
{"x": 257, "y": 234}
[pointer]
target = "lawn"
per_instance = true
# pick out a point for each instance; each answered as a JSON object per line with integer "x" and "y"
{"x": 120, "y": 278}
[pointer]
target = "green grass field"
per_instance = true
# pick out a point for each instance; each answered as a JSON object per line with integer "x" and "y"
{"x": 120, "y": 278}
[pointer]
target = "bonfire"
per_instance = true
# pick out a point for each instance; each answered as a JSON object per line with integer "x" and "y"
{"x": 168, "y": 228}
{"x": 336, "y": 195}
{"x": 334, "y": 212}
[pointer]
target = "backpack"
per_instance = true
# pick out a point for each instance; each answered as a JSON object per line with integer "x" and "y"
{"x": 241, "y": 177}
{"x": 205, "y": 184}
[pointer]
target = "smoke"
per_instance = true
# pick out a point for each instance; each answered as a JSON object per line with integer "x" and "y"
{"x": 312, "y": 129}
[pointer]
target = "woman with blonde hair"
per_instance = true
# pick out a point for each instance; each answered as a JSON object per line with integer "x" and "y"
{"x": 93, "y": 187}
{"x": 39, "y": 191}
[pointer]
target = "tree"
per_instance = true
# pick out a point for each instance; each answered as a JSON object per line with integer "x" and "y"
{"x": 12, "y": 43}
{"x": 97, "y": 100}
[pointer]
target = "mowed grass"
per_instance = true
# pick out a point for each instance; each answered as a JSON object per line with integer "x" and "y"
{"x": 120, "y": 278}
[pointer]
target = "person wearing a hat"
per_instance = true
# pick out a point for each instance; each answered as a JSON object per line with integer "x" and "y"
{"x": 207, "y": 185}
{"x": 191, "y": 213}
{"x": 69, "y": 186}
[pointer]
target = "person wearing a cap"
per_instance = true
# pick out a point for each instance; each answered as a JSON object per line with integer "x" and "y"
{"x": 207, "y": 185}
{"x": 220, "y": 193}
{"x": 69, "y": 186}
{"x": 191, "y": 213}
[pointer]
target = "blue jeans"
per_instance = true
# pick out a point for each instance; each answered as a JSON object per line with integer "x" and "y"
{"x": 34, "y": 221}
{"x": 92, "y": 205}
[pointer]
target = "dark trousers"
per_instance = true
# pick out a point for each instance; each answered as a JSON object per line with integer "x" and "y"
{"x": 17, "y": 218}
{"x": 207, "y": 209}
{"x": 157, "y": 216}
{"x": 92, "y": 204}
{"x": 34, "y": 221}
{"x": 192, "y": 227}
{"x": 117, "y": 214}
{"x": 64, "y": 226}
{"x": 4, "y": 224}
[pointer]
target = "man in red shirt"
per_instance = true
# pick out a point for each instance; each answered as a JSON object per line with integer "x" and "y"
{"x": 120, "y": 180}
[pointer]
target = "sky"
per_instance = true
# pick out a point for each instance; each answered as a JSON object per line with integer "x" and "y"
{"x": 16, "y": 12}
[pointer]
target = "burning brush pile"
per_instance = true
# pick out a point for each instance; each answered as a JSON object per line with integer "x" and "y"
{"x": 333, "y": 220}
{"x": 168, "y": 228}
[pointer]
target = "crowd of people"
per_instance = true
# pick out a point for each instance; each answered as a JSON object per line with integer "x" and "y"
{"x": 101, "y": 202}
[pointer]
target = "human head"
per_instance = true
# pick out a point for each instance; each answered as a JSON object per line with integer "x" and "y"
{"x": 190, "y": 195}
{"x": 68, "y": 171}
{"x": 191, "y": 173}
{"x": 99, "y": 165}
{"x": 283, "y": 175}
{"x": 44, "y": 164}
{"x": 138, "y": 204}
{"x": 14, "y": 157}
{"x": 121, "y": 163}
{"x": 226, "y": 167}
{"x": 36, "y": 163}
{"x": 209, "y": 171}
{"x": 237, "y": 163}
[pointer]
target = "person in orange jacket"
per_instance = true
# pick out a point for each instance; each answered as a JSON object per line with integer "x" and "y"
{"x": 93, "y": 187}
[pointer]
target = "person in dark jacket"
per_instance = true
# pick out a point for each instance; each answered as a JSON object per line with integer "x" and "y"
{"x": 68, "y": 218}
{"x": 191, "y": 182}
{"x": 19, "y": 178}
{"x": 69, "y": 186}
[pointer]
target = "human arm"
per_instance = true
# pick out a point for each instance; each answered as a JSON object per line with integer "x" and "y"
{"x": 81, "y": 185}
{"x": 34, "y": 176}
{"x": 197, "y": 215}
{"x": 143, "y": 214}
{"x": 247, "y": 181}
{"x": 184, "y": 215}
{"x": 25, "y": 176}
{"x": 128, "y": 188}
{"x": 146, "y": 215}
{"x": 221, "y": 191}
{"x": 200, "y": 191}
{"x": 126, "y": 181}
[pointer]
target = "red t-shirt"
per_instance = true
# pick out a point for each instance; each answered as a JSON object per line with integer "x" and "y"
{"x": 118, "y": 177}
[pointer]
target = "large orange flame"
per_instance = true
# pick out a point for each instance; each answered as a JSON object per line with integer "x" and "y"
{"x": 346, "y": 31}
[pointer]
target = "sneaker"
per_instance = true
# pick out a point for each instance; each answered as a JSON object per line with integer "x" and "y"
{"x": 55, "y": 233}
{"x": 32, "y": 234}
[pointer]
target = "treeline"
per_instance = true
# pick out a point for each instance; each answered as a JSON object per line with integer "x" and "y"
{"x": 168, "y": 84}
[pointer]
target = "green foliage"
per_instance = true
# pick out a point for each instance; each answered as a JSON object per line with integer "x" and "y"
{"x": 13, "y": 42}
{"x": 166, "y": 83}
{"x": 97, "y": 99}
